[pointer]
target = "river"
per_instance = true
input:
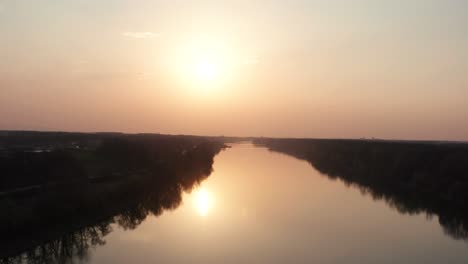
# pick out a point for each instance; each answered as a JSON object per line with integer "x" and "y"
{"x": 260, "y": 206}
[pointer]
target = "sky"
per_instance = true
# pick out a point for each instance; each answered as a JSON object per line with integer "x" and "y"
{"x": 323, "y": 69}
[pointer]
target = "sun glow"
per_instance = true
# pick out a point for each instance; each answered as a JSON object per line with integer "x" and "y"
{"x": 203, "y": 201}
{"x": 204, "y": 66}
{"x": 206, "y": 70}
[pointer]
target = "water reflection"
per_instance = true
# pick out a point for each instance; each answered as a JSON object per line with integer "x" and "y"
{"x": 203, "y": 201}
{"x": 72, "y": 246}
{"x": 129, "y": 203}
{"x": 256, "y": 207}
{"x": 76, "y": 244}
{"x": 412, "y": 177}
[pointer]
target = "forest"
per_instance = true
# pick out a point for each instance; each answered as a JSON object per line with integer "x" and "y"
{"x": 51, "y": 189}
{"x": 411, "y": 176}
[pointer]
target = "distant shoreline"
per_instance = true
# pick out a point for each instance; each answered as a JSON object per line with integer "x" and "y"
{"x": 8, "y": 132}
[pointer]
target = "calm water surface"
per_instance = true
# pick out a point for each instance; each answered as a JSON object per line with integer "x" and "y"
{"x": 265, "y": 207}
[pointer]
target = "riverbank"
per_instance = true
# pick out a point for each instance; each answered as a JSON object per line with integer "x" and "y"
{"x": 47, "y": 194}
{"x": 412, "y": 177}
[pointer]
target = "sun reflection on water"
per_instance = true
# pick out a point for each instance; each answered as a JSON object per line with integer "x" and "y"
{"x": 203, "y": 200}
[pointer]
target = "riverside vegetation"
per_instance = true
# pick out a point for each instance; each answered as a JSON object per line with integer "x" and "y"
{"x": 60, "y": 192}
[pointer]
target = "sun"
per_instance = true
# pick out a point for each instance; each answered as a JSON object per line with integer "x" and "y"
{"x": 203, "y": 67}
{"x": 206, "y": 70}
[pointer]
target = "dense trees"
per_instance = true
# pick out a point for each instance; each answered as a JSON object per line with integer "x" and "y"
{"x": 412, "y": 177}
{"x": 123, "y": 179}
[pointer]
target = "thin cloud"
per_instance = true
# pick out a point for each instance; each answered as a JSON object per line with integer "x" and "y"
{"x": 139, "y": 35}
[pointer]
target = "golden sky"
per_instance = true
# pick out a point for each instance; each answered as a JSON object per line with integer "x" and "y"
{"x": 348, "y": 69}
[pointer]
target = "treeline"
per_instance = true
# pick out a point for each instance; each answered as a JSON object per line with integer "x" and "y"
{"x": 110, "y": 156}
{"x": 413, "y": 177}
{"x": 123, "y": 179}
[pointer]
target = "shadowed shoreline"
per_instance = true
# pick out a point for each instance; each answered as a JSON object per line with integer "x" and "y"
{"x": 61, "y": 193}
{"x": 79, "y": 192}
{"x": 412, "y": 177}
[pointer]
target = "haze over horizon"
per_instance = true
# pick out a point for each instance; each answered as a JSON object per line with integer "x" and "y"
{"x": 319, "y": 69}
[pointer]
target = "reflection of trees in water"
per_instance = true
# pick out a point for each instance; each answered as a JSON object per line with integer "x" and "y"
{"x": 130, "y": 204}
{"x": 411, "y": 177}
{"x": 153, "y": 202}
{"x": 75, "y": 244}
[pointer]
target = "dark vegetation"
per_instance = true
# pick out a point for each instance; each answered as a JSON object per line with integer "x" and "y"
{"x": 412, "y": 177}
{"x": 59, "y": 198}
{"x": 61, "y": 192}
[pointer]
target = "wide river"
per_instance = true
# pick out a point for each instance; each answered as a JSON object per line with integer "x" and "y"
{"x": 264, "y": 207}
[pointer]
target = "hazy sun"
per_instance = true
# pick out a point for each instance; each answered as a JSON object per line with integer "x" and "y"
{"x": 206, "y": 70}
{"x": 204, "y": 66}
